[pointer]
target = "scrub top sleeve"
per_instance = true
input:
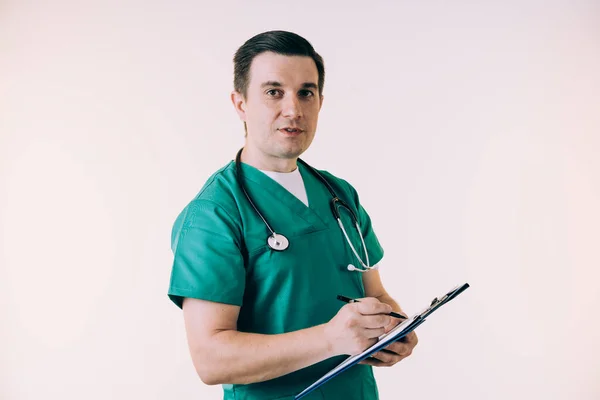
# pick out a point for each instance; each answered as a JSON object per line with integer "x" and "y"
{"x": 208, "y": 262}
{"x": 371, "y": 242}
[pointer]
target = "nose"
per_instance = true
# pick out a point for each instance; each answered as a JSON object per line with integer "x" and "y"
{"x": 291, "y": 108}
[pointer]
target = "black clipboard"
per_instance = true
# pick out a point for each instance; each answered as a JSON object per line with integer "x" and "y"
{"x": 400, "y": 331}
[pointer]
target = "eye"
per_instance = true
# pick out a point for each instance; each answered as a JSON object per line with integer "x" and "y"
{"x": 306, "y": 93}
{"x": 274, "y": 93}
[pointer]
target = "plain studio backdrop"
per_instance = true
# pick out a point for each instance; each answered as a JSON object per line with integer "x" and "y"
{"x": 470, "y": 129}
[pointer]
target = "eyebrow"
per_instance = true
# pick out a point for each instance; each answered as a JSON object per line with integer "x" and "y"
{"x": 305, "y": 85}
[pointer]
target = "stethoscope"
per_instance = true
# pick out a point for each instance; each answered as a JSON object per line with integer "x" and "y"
{"x": 279, "y": 242}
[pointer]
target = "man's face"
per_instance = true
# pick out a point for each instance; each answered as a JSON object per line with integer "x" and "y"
{"x": 281, "y": 107}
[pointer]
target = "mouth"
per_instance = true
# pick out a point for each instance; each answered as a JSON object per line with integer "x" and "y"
{"x": 290, "y": 130}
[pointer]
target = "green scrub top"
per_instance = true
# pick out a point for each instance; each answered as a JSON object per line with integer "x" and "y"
{"x": 221, "y": 255}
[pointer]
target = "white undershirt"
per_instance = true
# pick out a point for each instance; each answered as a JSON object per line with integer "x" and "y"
{"x": 292, "y": 181}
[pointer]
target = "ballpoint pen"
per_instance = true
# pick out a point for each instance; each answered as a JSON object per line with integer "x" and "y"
{"x": 349, "y": 300}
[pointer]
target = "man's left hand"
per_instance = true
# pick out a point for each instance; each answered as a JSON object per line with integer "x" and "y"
{"x": 394, "y": 352}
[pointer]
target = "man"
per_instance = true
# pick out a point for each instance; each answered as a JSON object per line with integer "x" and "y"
{"x": 259, "y": 257}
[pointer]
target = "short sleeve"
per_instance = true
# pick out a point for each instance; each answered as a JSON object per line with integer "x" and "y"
{"x": 208, "y": 263}
{"x": 371, "y": 242}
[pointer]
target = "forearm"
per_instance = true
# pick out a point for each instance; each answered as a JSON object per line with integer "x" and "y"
{"x": 231, "y": 356}
{"x": 387, "y": 299}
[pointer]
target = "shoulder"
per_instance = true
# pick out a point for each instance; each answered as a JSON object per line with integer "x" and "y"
{"x": 219, "y": 187}
{"x": 216, "y": 200}
{"x": 341, "y": 186}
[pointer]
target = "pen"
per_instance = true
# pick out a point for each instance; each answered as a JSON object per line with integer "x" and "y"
{"x": 349, "y": 300}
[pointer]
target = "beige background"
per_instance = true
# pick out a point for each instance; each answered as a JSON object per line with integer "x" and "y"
{"x": 470, "y": 129}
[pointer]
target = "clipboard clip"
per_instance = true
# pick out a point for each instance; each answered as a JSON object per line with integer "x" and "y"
{"x": 438, "y": 302}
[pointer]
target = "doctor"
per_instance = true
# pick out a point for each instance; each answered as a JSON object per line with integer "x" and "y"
{"x": 262, "y": 251}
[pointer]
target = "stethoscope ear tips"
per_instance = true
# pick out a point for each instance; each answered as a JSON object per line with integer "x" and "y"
{"x": 351, "y": 267}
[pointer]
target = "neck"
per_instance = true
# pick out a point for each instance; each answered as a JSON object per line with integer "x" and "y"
{"x": 265, "y": 163}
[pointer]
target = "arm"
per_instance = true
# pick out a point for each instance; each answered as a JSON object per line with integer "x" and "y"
{"x": 398, "y": 350}
{"x": 374, "y": 288}
{"x": 221, "y": 354}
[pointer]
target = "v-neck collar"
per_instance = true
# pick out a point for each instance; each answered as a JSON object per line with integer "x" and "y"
{"x": 315, "y": 214}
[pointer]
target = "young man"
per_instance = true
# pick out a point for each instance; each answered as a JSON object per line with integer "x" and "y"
{"x": 259, "y": 257}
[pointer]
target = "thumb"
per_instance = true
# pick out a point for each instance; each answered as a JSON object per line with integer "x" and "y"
{"x": 393, "y": 323}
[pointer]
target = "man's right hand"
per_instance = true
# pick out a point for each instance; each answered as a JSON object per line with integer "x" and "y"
{"x": 357, "y": 325}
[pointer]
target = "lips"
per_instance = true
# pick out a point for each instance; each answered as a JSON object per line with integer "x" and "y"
{"x": 291, "y": 130}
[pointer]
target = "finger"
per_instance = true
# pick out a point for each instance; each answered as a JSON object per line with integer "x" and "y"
{"x": 375, "y": 362}
{"x": 374, "y": 321}
{"x": 386, "y": 357}
{"x": 394, "y": 323}
{"x": 369, "y": 306}
{"x": 401, "y": 349}
{"x": 410, "y": 340}
{"x": 372, "y": 333}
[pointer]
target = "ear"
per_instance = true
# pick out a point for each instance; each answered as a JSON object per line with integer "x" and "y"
{"x": 320, "y": 102}
{"x": 239, "y": 104}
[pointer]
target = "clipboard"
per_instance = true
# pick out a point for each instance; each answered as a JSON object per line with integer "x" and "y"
{"x": 400, "y": 331}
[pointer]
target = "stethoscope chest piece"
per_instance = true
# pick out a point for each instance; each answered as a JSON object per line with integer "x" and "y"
{"x": 278, "y": 242}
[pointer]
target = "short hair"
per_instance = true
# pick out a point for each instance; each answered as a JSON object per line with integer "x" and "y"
{"x": 279, "y": 42}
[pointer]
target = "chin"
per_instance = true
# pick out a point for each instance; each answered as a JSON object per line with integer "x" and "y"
{"x": 293, "y": 150}
{"x": 291, "y": 153}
